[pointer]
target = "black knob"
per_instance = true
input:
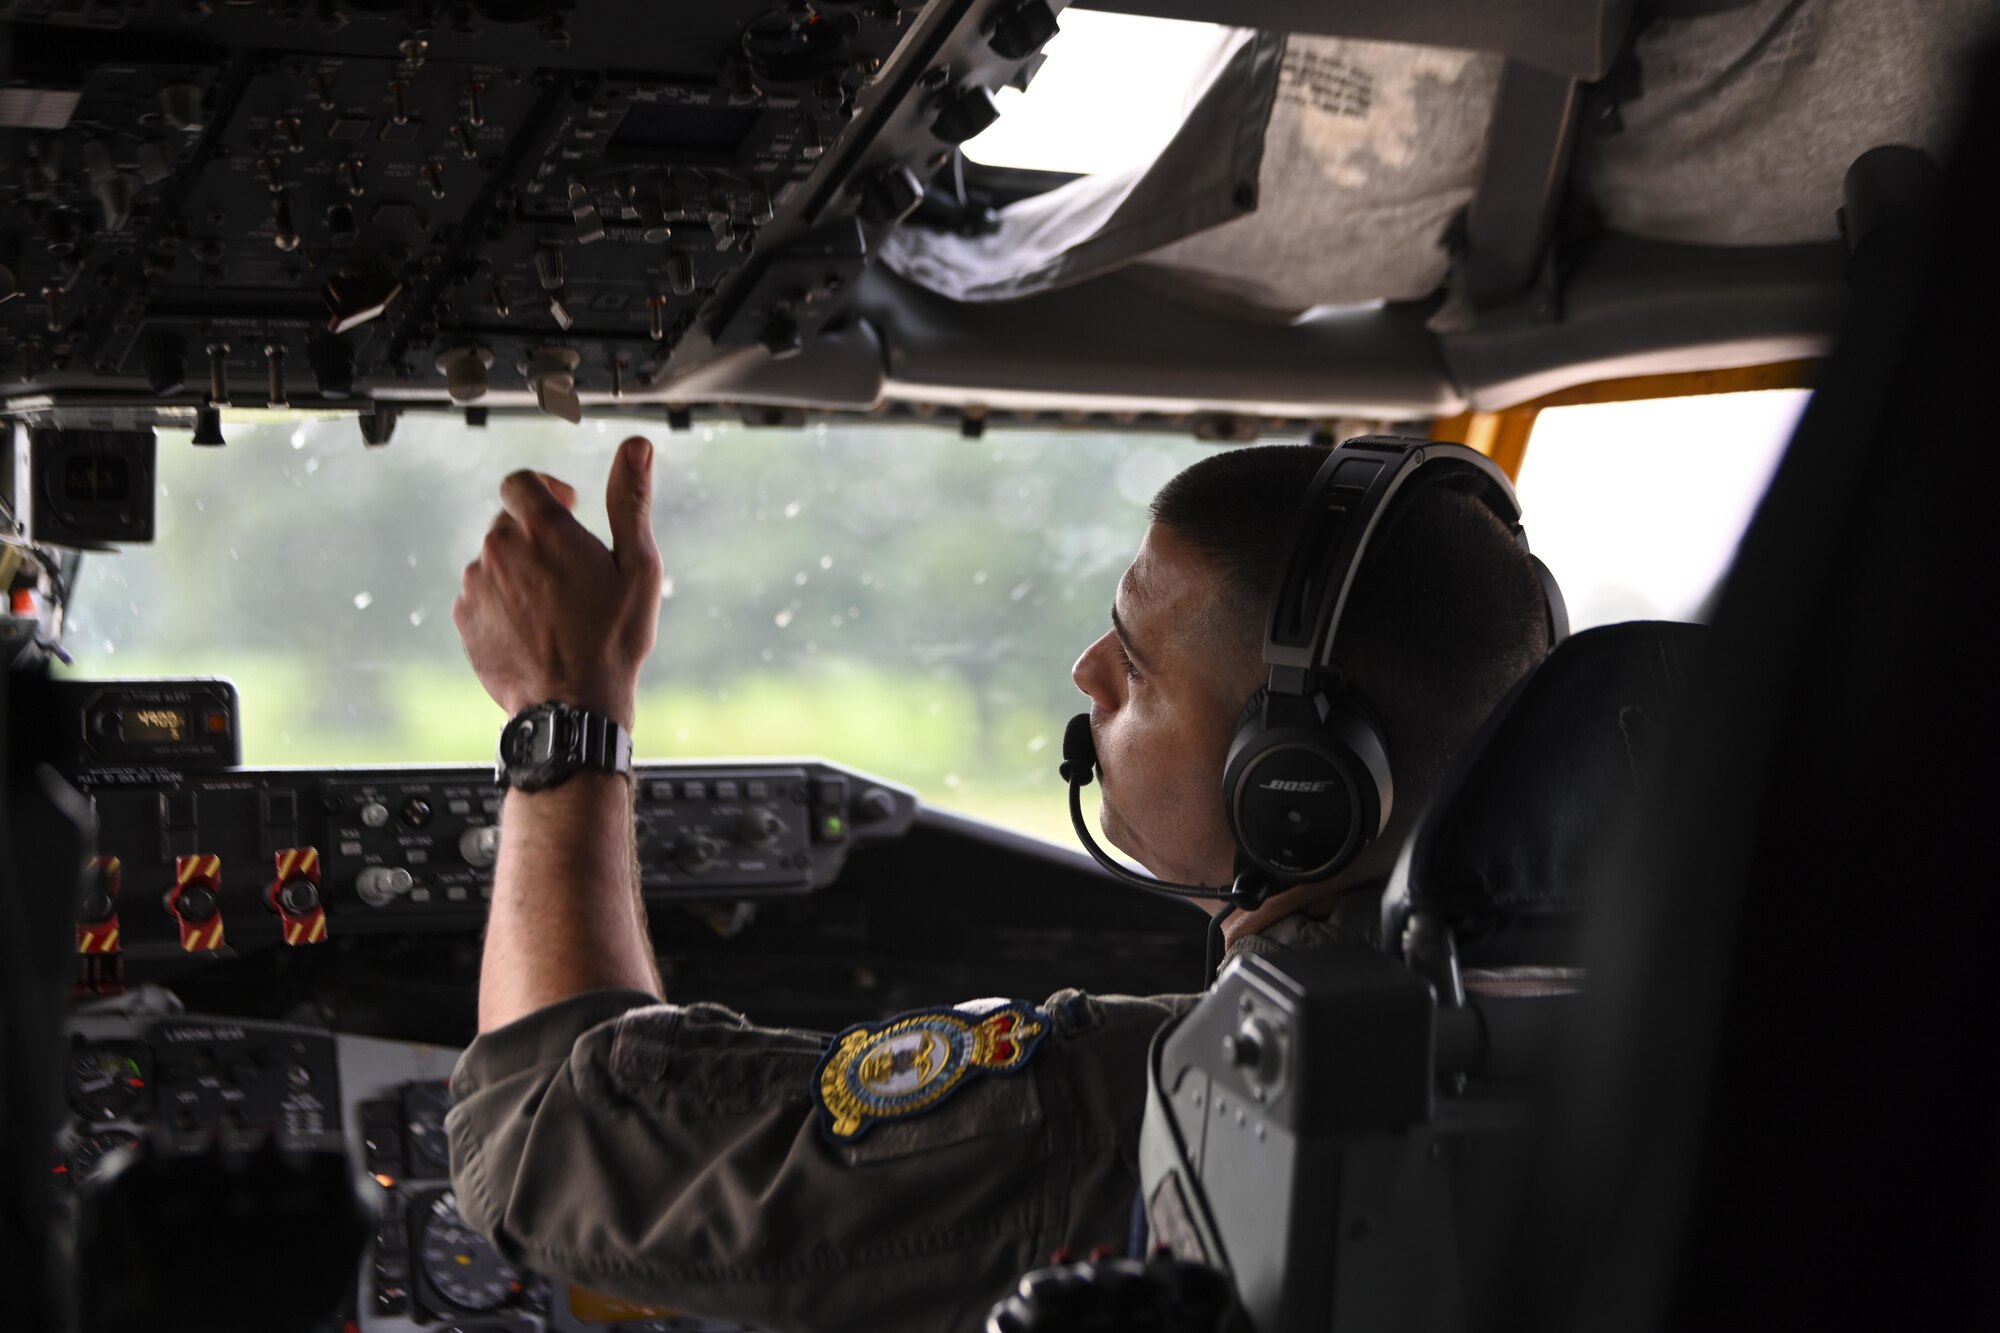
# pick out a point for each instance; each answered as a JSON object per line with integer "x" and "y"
{"x": 197, "y": 903}
{"x": 332, "y": 361}
{"x": 1023, "y": 31}
{"x": 873, "y": 806}
{"x": 696, "y": 854}
{"x": 166, "y": 364}
{"x": 299, "y": 896}
{"x": 964, "y": 114}
{"x": 97, "y": 906}
{"x": 416, "y": 812}
{"x": 761, "y": 828}
{"x": 208, "y": 427}
{"x": 378, "y": 427}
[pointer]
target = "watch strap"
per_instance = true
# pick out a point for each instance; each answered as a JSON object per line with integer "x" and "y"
{"x": 606, "y": 747}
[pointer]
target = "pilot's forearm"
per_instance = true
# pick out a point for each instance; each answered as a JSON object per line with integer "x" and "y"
{"x": 566, "y": 915}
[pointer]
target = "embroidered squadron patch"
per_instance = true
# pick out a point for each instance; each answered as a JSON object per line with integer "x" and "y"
{"x": 908, "y": 1064}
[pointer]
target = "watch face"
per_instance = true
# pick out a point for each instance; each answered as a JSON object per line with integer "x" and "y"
{"x": 531, "y": 741}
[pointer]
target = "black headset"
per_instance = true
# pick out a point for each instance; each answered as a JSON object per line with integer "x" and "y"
{"x": 1307, "y": 783}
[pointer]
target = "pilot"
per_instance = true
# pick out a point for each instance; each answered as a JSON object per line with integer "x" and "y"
{"x": 905, "y": 1173}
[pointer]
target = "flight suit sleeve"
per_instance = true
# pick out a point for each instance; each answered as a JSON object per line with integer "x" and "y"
{"x": 676, "y": 1155}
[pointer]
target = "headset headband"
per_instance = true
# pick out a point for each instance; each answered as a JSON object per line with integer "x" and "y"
{"x": 1331, "y": 532}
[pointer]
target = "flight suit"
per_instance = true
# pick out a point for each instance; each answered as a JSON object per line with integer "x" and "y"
{"x": 680, "y": 1155}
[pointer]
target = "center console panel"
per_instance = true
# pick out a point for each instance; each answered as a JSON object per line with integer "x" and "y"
{"x": 145, "y": 1079}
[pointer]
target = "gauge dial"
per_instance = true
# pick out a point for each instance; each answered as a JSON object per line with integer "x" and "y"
{"x": 87, "y": 1152}
{"x": 105, "y": 1081}
{"x": 424, "y": 1105}
{"x": 464, "y": 1270}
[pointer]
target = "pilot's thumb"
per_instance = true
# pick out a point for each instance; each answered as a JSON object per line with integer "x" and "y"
{"x": 628, "y": 501}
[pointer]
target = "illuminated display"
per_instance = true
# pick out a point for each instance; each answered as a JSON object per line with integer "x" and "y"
{"x": 156, "y": 724}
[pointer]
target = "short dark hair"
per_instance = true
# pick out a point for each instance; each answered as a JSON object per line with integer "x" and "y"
{"x": 1446, "y": 614}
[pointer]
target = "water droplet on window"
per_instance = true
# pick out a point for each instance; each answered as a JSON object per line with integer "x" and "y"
{"x": 951, "y": 780}
{"x": 784, "y": 617}
{"x": 979, "y": 576}
{"x": 800, "y": 578}
{"x": 838, "y": 620}
{"x": 1038, "y": 744}
{"x": 792, "y": 509}
{"x": 312, "y": 466}
{"x": 109, "y": 647}
{"x": 299, "y": 438}
{"x": 767, "y": 654}
{"x": 826, "y": 562}
{"x": 412, "y": 558}
{"x": 1021, "y": 590}
{"x": 417, "y": 617}
{"x": 666, "y": 587}
{"x": 363, "y": 600}
{"x": 854, "y": 613}
{"x": 233, "y": 555}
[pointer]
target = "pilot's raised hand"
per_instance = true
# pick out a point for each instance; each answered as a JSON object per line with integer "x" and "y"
{"x": 547, "y": 612}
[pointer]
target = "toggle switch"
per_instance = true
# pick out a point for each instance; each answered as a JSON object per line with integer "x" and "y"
{"x": 294, "y": 895}
{"x": 551, "y": 373}
{"x": 97, "y": 914}
{"x": 195, "y": 901}
{"x": 464, "y": 370}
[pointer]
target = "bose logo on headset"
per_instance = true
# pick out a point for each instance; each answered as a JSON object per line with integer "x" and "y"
{"x": 1283, "y": 784}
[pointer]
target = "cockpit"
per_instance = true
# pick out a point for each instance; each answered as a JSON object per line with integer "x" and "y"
{"x": 921, "y": 303}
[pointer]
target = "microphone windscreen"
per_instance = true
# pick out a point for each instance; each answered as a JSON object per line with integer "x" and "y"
{"x": 1079, "y": 751}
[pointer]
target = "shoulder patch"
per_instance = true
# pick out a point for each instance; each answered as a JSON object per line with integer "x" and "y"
{"x": 906, "y": 1065}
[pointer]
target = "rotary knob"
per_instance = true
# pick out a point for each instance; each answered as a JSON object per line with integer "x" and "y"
{"x": 697, "y": 853}
{"x": 377, "y": 885}
{"x": 480, "y": 846}
{"x": 761, "y": 828}
{"x": 374, "y": 814}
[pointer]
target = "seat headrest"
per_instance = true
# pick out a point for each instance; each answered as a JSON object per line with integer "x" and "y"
{"x": 1507, "y": 850}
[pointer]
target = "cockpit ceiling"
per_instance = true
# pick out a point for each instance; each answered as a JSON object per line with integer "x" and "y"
{"x": 1353, "y": 220}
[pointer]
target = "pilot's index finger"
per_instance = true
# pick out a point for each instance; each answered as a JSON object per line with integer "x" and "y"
{"x": 526, "y": 496}
{"x": 564, "y": 492}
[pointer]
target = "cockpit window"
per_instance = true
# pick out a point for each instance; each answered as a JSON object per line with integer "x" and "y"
{"x": 1112, "y": 94}
{"x": 903, "y": 600}
{"x": 1637, "y": 507}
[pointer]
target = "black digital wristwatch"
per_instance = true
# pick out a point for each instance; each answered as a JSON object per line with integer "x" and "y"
{"x": 546, "y": 744}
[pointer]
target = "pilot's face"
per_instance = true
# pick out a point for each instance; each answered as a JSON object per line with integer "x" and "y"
{"x": 1164, "y": 692}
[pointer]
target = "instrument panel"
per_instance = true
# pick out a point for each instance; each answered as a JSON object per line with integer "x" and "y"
{"x": 235, "y": 860}
{"x": 370, "y": 203}
{"x": 143, "y": 1078}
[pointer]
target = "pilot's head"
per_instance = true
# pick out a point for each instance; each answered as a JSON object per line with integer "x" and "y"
{"x": 1445, "y": 615}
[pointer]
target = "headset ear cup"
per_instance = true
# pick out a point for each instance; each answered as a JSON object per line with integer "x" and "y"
{"x": 1251, "y": 709}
